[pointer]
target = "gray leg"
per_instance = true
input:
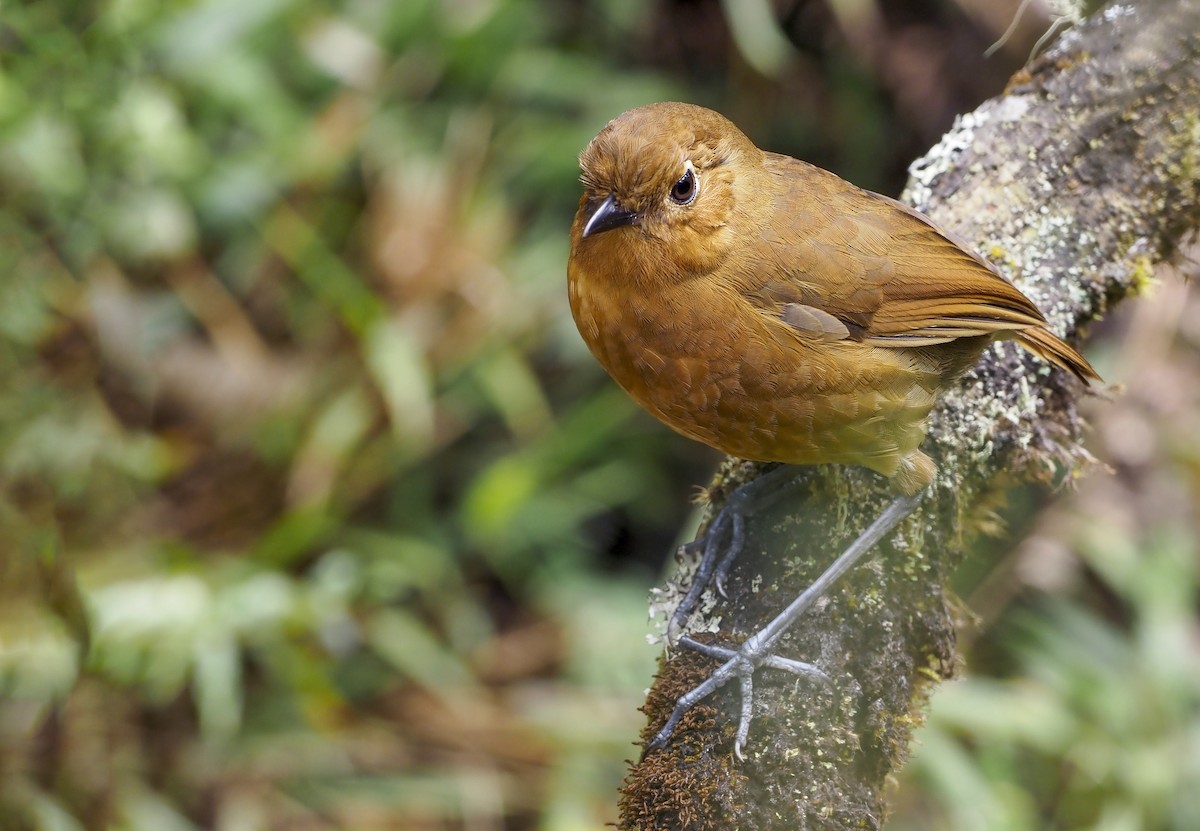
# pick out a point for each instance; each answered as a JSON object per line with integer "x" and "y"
{"x": 755, "y": 651}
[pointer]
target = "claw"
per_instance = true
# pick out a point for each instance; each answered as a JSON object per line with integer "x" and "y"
{"x": 737, "y": 539}
{"x": 730, "y": 520}
{"x": 743, "y": 730}
{"x": 711, "y": 542}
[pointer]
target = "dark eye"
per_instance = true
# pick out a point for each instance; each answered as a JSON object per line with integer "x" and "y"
{"x": 684, "y": 191}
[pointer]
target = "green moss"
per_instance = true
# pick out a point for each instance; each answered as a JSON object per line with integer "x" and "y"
{"x": 1142, "y": 279}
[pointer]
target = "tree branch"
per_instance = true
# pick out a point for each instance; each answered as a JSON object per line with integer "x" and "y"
{"x": 1081, "y": 177}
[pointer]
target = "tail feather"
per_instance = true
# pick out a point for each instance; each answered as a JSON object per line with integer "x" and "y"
{"x": 1049, "y": 347}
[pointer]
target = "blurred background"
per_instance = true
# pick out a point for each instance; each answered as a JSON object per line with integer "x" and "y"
{"x": 315, "y": 513}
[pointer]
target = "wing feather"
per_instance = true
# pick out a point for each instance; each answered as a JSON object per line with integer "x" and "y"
{"x": 841, "y": 255}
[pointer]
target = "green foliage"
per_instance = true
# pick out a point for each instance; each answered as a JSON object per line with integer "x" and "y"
{"x": 291, "y": 498}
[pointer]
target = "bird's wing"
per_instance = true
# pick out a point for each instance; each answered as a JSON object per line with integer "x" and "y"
{"x": 888, "y": 274}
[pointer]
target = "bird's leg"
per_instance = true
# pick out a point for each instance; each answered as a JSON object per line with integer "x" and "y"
{"x": 756, "y": 651}
{"x": 726, "y": 532}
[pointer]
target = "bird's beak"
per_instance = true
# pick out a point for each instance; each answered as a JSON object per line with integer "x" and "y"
{"x": 606, "y": 215}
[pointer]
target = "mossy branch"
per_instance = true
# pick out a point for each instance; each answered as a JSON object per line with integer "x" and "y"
{"x": 1076, "y": 181}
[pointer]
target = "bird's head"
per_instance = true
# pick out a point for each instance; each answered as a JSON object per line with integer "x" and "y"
{"x": 661, "y": 184}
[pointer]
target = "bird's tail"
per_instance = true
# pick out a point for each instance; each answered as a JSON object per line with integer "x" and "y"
{"x": 1049, "y": 347}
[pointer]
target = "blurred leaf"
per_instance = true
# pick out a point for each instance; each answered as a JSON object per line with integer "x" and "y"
{"x": 400, "y": 371}
{"x": 143, "y": 809}
{"x": 414, "y": 651}
{"x": 201, "y": 33}
{"x": 38, "y": 660}
{"x": 218, "y": 686}
{"x": 514, "y": 389}
{"x": 299, "y": 244}
{"x": 45, "y": 156}
{"x": 51, "y": 816}
{"x": 757, "y": 35}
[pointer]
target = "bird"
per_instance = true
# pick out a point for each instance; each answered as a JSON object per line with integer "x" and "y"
{"x": 775, "y": 312}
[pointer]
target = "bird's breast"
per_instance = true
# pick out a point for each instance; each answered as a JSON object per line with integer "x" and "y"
{"x": 716, "y": 369}
{"x": 665, "y": 348}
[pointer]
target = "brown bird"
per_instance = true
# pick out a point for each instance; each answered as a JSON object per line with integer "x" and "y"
{"x": 776, "y": 312}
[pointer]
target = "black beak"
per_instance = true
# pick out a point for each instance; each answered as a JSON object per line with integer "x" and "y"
{"x": 608, "y": 214}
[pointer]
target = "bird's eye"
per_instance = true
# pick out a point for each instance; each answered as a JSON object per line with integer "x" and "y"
{"x": 684, "y": 191}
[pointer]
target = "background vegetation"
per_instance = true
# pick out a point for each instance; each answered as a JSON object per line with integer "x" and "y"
{"x": 316, "y": 514}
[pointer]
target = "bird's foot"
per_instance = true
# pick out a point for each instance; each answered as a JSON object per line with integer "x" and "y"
{"x": 739, "y": 664}
{"x": 723, "y": 540}
{"x": 756, "y": 651}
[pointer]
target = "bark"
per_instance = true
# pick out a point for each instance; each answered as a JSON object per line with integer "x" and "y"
{"x": 1076, "y": 181}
